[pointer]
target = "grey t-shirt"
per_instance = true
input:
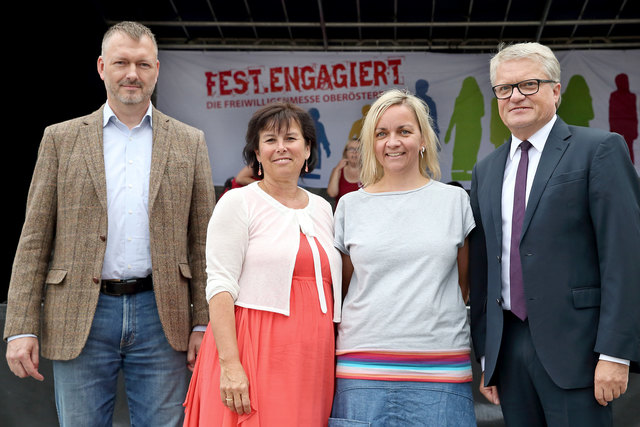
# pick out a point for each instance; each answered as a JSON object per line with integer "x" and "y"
{"x": 404, "y": 293}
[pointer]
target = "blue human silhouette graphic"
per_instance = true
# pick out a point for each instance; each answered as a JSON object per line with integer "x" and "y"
{"x": 422, "y": 87}
{"x": 323, "y": 141}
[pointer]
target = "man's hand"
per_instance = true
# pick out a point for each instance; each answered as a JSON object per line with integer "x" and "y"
{"x": 23, "y": 357}
{"x": 490, "y": 392}
{"x": 195, "y": 339}
{"x": 610, "y": 381}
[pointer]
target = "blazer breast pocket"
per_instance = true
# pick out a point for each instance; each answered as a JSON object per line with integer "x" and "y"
{"x": 586, "y": 297}
{"x": 567, "y": 177}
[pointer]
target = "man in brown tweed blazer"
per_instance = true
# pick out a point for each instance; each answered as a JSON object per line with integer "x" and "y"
{"x": 109, "y": 273}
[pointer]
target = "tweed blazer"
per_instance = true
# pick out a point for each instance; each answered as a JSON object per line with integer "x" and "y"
{"x": 55, "y": 280}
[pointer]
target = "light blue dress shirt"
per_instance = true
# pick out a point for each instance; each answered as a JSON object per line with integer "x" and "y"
{"x": 127, "y": 164}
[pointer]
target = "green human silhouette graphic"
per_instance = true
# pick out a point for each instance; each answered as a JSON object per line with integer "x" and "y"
{"x": 356, "y": 128}
{"x": 498, "y": 132}
{"x": 467, "y": 113}
{"x": 576, "y": 107}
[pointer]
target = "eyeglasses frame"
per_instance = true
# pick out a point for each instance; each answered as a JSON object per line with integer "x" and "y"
{"x": 516, "y": 85}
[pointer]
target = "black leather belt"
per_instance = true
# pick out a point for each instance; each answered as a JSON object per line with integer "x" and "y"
{"x": 126, "y": 287}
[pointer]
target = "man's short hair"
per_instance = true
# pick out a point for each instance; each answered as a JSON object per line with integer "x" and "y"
{"x": 533, "y": 51}
{"x": 132, "y": 29}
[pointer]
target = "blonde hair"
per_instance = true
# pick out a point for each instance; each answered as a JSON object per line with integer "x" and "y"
{"x": 371, "y": 171}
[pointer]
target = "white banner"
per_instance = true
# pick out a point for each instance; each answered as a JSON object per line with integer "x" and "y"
{"x": 219, "y": 91}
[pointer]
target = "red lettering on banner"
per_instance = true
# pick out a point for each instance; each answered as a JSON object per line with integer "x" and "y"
{"x": 349, "y": 74}
{"x": 364, "y": 72}
{"x": 352, "y": 68}
{"x": 379, "y": 73}
{"x": 275, "y": 79}
{"x": 324, "y": 79}
{"x": 292, "y": 78}
{"x": 210, "y": 82}
{"x": 224, "y": 82}
{"x": 255, "y": 77}
{"x": 239, "y": 78}
{"x": 308, "y": 83}
{"x": 394, "y": 64}
{"x": 339, "y": 80}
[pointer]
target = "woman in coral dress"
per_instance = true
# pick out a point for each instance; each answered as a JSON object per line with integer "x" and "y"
{"x": 267, "y": 358}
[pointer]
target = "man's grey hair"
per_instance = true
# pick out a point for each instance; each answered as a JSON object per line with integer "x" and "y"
{"x": 533, "y": 51}
{"x": 132, "y": 29}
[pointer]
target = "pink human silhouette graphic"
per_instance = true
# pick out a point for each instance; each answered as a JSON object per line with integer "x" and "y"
{"x": 623, "y": 115}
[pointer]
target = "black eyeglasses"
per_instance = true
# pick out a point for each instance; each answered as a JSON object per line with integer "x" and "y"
{"x": 525, "y": 87}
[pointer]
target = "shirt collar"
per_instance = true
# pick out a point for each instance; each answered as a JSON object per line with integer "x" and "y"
{"x": 108, "y": 114}
{"x": 537, "y": 140}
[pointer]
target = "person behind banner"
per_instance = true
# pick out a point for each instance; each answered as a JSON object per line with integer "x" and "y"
{"x": 555, "y": 275}
{"x": 403, "y": 342}
{"x": 267, "y": 358}
{"x": 345, "y": 177}
{"x": 244, "y": 177}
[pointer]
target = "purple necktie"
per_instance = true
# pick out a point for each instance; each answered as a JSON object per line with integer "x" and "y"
{"x": 518, "y": 304}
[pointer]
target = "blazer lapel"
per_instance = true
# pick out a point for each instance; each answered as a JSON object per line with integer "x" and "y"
{"x": 159, "y": 153}
{"x": 495, "y": 187}
{"x": 91, "y": 137}
{"x": 554, "y": 149}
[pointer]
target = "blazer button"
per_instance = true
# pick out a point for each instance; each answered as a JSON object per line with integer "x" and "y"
{"x": 103, "y": 238}
{"x": 499, "y": 258}
{"x": 499, "y": 301}
{"x": 96, "y": 280}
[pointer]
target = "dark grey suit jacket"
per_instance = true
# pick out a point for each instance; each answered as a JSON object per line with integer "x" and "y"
{"x": 580, "y": 250}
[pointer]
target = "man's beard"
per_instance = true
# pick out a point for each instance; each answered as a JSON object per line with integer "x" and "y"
{"x": 131, "y": 98}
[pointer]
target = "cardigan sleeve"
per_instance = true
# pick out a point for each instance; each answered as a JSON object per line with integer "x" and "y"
{"x": 227, "y": 242}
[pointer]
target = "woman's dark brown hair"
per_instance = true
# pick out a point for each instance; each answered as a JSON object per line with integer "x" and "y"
{"x": 278, "y": 116}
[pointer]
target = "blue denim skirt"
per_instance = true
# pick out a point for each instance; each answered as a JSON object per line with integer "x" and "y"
{"x": 402, "y": 403}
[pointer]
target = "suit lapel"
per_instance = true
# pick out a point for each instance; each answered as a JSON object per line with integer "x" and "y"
{"x": 91, "y": 138}
{"x": 554, "y": 149}
{"x": 495, "y": 187}
{"x": 159, "y": 153}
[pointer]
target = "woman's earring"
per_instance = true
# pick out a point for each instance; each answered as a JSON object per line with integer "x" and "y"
{"x": 259, "y": 169}
{"x": 306, "y": 166}
{"x": 422, "y": 150}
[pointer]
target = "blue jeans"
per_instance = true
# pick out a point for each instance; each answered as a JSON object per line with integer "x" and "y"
{"x": 402, "y": 403}
{"x": 126, "y": 335}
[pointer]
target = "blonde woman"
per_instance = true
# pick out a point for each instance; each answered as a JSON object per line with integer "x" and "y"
{"x": 403, "y": 343}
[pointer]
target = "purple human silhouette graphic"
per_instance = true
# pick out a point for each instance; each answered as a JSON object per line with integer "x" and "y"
{"x": 623, "y": 116}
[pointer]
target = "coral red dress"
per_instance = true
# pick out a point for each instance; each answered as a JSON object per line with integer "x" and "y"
{"x": 289, "y": 360}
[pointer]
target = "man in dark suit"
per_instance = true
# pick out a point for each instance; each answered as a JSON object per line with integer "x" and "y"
{"x": 555, "y": 293}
